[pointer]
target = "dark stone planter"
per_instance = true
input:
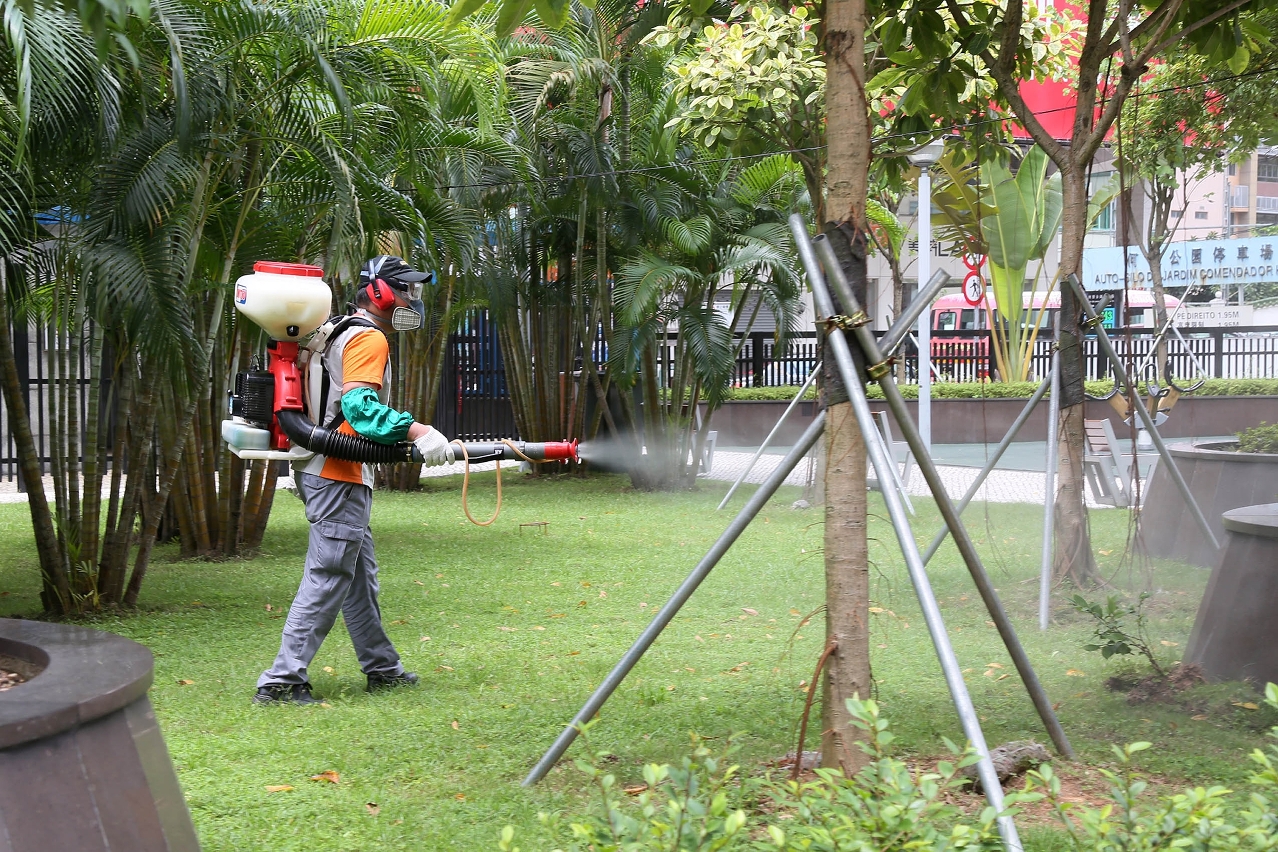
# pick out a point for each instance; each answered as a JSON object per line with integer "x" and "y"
{"x": 1235, "y": 635}
{"x": 83, "y": 766}
{"x": 1220, "y": 480}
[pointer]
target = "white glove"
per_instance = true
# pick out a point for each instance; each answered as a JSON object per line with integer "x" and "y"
{"x": 434, "y": 448}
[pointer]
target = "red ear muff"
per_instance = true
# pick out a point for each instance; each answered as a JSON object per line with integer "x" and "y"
{"x": 380, "y": 294}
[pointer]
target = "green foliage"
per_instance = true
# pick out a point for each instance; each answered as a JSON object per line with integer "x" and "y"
{"x": 757, "y": 68}
{"x": 1121, "y": 628}
{"x": 886, "y": 805}
{"x": 699, "y": 805}
{"x": 1259, "y": 439}
{"x": 1012, "y": 390}
{"x": 692, "y": 807}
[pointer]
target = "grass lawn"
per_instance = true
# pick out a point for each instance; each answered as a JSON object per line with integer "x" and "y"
{"x": 511, "y": 628}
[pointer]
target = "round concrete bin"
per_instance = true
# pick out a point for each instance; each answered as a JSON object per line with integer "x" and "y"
{"x": 1235, "y": 634}
{"x": 1221, "y": 479}
{"x": 83, "y": 766}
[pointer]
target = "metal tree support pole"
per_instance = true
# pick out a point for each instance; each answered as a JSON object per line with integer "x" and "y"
{"x": 1121, "y": 378}
{"x": 1015, "y": 428}
{"x": 962, "y": 540}
{"x": 909, "y": 549}
{"x": 1049, "y": 487}
{"x": 768, "y": 440}
{"x": 663, "y": 618}
{"x": 904, "y": 324}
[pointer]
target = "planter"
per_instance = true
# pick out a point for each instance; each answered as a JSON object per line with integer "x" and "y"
{"x": 83, "y": 766}
{"x": 1220, "y": 480}
{"x": 1235, "y": 635}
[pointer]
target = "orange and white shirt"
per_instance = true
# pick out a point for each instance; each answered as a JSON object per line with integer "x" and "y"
{"x": 359, "y": 354}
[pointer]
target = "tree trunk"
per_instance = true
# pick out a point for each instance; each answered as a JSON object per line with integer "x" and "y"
{"x": 846, "y": 563}
{"x": 847, "y": 589}
{"x": 55, "y": 590}
{"x": 1073, "y": 554}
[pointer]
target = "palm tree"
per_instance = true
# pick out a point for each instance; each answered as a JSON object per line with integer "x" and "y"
{"x": 734, "y": 242}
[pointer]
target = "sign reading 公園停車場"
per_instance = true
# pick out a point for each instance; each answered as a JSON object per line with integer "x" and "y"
{"x": 1208, "y": 262}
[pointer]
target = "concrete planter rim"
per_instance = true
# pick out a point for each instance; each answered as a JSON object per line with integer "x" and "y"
{"x": 1208, "y": 450}
{"x": 86, "y": 675}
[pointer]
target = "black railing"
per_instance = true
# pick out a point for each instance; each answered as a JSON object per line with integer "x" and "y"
{"x": 474, "y": 401}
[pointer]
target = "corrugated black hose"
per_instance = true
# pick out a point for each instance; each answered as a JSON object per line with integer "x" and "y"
{"x": 335, "y": 445}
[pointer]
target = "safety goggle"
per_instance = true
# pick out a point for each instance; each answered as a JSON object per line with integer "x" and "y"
{"x": 414, "y": 290}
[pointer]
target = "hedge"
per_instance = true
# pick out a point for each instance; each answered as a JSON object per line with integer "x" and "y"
{"x": 1009, "y": 390}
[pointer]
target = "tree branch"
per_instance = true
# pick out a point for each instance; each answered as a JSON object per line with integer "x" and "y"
{"x": 1197, "y": 25}
{"x": 1055, "y": 150}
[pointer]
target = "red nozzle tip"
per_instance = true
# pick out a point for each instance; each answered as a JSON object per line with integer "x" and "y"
{"x": 561, "y": 451}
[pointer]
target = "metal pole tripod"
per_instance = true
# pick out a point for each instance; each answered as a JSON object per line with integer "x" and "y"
{"x": 927, "y": 466}
{"x": 1122, "y": 379}
{"x": 663, "y": 618}
{"x": 896, "y": 510}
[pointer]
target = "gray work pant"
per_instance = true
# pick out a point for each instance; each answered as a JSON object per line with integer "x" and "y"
{"x": 340, "y": 576}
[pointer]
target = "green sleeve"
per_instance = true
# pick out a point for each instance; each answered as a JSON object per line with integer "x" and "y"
{"x": 373, "y": 419}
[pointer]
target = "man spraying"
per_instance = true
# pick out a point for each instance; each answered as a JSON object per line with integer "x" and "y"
{"x": 341, "y": 570}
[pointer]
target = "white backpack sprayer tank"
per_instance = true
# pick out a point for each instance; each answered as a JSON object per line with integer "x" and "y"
{"x": 289, "y": 301}
{"x": 269, "y": 409}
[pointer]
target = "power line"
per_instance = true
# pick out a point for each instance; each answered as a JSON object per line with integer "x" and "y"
{"x": 875, "y": 141}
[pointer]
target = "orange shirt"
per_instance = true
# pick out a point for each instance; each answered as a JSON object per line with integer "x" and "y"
{"x": 363, "y": 360}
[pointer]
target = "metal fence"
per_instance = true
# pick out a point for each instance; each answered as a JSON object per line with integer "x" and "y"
{"x": 474, "y": 401}
{"x": 31, "y": 345}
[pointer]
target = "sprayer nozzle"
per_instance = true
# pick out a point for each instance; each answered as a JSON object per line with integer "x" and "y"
{"x": 561, "y": 451}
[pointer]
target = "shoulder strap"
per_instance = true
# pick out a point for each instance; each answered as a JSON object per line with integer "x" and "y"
{"x": 339, "y": 327}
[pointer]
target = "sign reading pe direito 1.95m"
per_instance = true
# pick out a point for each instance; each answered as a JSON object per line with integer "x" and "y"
{"x": 1211, "y": 263}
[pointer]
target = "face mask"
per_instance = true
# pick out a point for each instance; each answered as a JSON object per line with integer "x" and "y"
{"x": 408, "y": 318}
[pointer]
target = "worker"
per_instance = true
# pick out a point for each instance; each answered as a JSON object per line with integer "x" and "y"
{"x": 341, "y": 570}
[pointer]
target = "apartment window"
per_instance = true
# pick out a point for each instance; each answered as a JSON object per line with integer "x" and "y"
{"x": 1267, "y": 170}
{"x": 1233, "y": 169}
{"x": 1200, "y": 214}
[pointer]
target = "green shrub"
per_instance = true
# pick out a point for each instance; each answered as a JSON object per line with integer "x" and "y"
{"x": 1010, "y": 390}
{"x": 703, "y": 805}
{"x": 1259, "y": 439}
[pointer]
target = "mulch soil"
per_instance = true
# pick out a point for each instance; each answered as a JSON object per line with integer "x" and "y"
{"x": 14, "y": 672}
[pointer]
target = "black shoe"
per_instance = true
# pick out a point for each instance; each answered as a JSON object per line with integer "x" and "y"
{"x": 285, "y": 693}
{"x": 389, "y": 681}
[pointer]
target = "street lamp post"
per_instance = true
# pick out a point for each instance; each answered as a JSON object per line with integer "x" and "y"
{"x": 925, "y": 158}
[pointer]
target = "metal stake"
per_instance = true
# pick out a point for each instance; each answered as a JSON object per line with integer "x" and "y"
{"x": 990, "y": 465}
{"x": 933, "y": 477}
{"x": 1121, "y": 378}
{"x": 905, "y": 537}
{"x": 1049, "y": 487}
{"x": 663, "y": 618}
{"x": 768, "y": 440}
{"x": 904, "y": 324}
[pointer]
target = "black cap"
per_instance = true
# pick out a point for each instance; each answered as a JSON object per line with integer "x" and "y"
{"x": 393, "y": 270}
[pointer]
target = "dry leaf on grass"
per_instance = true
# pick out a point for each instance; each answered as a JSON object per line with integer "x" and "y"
{"x": 278, "y": 788}
{"x": 748, "y": 611}
{"x": 329, "y": 775}
{"x": 456, "y": 727}
{"x": 373, "y": 808}
{"x": 185, "y": 682}
{"x": 636, "y": 790}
